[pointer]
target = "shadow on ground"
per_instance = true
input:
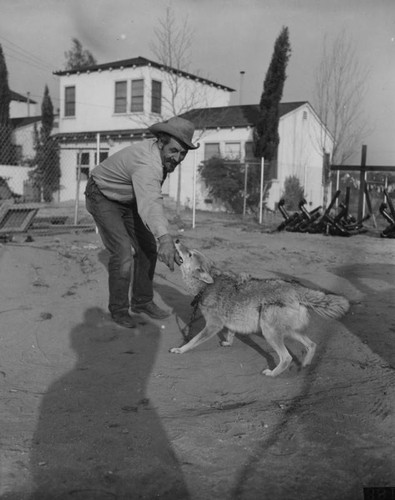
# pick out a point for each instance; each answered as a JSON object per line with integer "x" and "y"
{"x": 98, "y": 435}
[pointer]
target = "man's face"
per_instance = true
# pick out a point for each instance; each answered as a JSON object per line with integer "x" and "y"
{"x": 172, "y": 154}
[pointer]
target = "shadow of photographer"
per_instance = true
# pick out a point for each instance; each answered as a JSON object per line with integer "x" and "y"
{"x": 98, "y": 435}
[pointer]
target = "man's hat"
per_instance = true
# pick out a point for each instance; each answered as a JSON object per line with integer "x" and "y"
{"x": 177, "y": 127}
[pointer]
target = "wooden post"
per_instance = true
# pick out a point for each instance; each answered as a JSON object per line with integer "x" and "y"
{"x": 245, "y": 189}
{"x": 194, "y": 190}
{"x": 362, "y": 183}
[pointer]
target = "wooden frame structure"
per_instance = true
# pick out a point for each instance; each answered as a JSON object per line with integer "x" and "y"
{"x": 362, "y": 169}
{"x": 16, "y": 218}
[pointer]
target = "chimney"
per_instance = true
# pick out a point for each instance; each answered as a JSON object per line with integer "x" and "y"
{"x": 242, "y": 73}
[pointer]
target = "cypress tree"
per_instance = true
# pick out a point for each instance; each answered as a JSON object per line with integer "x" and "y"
{"x": 49, "y": 168}
{"x": 7, "y": 149}
{"x": 46, "y": 175}
{"x": 266, "y": 137}
{"x": 47, "y": 115}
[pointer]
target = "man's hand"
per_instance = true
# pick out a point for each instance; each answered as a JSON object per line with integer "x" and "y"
{"x": 167, "y": 252}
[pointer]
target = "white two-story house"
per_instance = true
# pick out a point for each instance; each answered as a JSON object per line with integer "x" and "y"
{"x": 105, "y": 107}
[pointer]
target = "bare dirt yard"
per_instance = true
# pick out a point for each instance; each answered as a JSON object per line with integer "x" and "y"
{"x": 91, "y": 410}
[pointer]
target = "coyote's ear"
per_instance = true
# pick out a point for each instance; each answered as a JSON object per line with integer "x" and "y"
{"x": 202, "y": 276}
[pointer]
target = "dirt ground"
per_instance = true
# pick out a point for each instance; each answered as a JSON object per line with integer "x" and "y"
{"x": 91, "y": 410}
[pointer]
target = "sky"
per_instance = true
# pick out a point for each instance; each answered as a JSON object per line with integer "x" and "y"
{"x": 228, "y": 36}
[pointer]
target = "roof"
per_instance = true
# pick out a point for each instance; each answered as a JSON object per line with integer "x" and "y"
{"x": 233, "y": 116}
{"x": 24, "y": 120}
{"x": 120, "y": 134}
{"x": 137, "y": 62}
{"x": 222, "y": 117}
{"x": 20, "y": 98}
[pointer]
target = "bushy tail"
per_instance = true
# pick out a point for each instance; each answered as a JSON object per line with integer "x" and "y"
{"x": 327, "y": 305}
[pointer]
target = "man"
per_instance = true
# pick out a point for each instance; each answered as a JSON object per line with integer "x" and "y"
{"x": 124, "y": 197}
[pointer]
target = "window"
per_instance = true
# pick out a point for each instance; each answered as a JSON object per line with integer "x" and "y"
{"x": 249, "y": 152}
{"x": 102, "y": 156}
{"x": 120, "y": 105}
{"x": 137, "y": 103}
{"x": 211, "y": 150}
{"x": 83, "y": 159}
{"x": 156, "y": 97}
{"x": 232, "y": 150}
{"x": 69, "y": 101}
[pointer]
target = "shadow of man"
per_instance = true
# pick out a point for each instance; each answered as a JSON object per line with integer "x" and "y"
{"x": 98, "y": 435}
{"x": 374, "y": 313}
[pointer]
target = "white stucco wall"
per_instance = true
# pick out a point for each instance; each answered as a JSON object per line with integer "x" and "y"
{"x": 300, "y": 153}
{"x": 22, "y": 109}
{"x": 15, "y": 177}
{"x": 24, "y": 136}
{"x": 95, "y": 99}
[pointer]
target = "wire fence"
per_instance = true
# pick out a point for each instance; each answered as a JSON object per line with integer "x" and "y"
{"x": 49, "y": 176}
{"x": 44, "y": 176}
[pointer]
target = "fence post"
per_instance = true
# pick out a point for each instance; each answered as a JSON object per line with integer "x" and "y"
{"x": 362, "y": 183}
{"x": 261, "y": 190}
{"x": 97, "y": 149}
{"x": 77, "y": 191}
{"x": 245, "y": 189}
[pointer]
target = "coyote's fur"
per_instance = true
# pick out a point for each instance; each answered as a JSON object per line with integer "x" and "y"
{"x": 276, "y": 308}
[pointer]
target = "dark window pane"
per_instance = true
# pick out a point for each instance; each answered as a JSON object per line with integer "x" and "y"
{"x": 156, "y": 97}
{"x": 120, "y": 97}
{"x": 69, "y": 101}
{"x": 137, "y": 102}
{"x": 211, "y": 149}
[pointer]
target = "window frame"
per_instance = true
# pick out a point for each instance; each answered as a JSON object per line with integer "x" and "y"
{"x": 206, "y": 158}
{"x": 228, "y": 154}
{"x": 156, "y": 97}
{"x": 120, "y": 99}
{"x": 137, "y": 107}
{"x": 103, "y": 155}
{"x": 69, "y": 104}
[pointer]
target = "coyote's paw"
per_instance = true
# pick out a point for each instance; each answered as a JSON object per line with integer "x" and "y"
{"x": 268, "y": 373}
{"x": 176, "y": 350}
{"x": 225, "y": 343}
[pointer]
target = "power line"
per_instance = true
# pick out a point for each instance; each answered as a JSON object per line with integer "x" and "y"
{"x": 25, "y": 53}
{"x": 29, "y": 63}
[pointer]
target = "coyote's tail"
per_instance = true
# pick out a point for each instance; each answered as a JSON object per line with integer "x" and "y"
{"x": 328, "y": 305}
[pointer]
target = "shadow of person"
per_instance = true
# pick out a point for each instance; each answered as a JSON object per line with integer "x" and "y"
{"x": 98, "y": 435}
{"x": 374, "y": 313}
{"x": 189, "y": 320}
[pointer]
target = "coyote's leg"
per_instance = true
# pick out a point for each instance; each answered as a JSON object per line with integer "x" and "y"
{"x": 211, "y": 328}
{"x": 229, "y": 339}
{"x": 275, "y": 340}
{"x": 309, "y": 344}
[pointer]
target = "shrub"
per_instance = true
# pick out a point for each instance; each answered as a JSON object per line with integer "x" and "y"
{"x": 293, "y": 192}
{"x": 224, "y": 180}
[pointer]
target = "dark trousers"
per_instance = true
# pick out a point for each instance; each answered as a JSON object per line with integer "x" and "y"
{"x": 128, "y": 242}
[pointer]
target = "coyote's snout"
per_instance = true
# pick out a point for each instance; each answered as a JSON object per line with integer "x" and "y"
{"x": 276, "y": 308}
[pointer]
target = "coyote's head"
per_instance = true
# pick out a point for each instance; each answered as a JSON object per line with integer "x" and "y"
{"x": 195, "y": 267}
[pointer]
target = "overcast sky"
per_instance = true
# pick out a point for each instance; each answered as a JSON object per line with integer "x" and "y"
{"x": 229, "y": 36}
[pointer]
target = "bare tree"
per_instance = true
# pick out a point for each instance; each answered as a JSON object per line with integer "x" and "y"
{"x": 340, "y": 88}
{"x": 172, "y": 48}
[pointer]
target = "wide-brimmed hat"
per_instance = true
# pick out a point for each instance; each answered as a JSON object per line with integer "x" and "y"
{"x": 177, "y": 127}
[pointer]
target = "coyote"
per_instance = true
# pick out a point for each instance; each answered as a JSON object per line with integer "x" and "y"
{"x": 276, "y": 308}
